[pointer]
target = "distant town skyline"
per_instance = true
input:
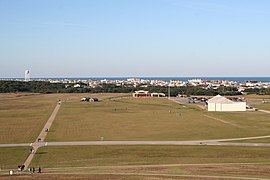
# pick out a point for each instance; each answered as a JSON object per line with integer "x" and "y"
{"x": 140, "y": 38}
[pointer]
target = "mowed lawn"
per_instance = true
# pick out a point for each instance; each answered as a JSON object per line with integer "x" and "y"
{"x": 255, "y": 96}
{"x": 87, "y": 156}
{"x": 150, "y": 119}
{"x": 11, "y": 157}
{"x": 256, "y": 101}
{"x": 265, "y": 106}
{"x": 257, "y": 123}
{"x": 178, "y": 160}
{"x": 23, "y": 115}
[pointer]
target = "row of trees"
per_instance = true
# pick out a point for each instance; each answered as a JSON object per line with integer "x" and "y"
{"x": 260, "y": 91}
{"x": 47, "y": 87}
{"x": 195, "y": 90}
{"x": 31, "y": 86}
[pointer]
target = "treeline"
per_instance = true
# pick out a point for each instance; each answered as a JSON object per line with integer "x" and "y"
{"x": 259, "y": 91}
{"x": 195, "y": 90}
{"x": 31, "y": 86}
{"x": 47, "y": 87}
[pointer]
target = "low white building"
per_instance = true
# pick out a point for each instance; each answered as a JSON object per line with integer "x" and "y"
{"x": 141, "y": 93}
{"x": 158, "y": 95}
{"x": 219, "y": 103}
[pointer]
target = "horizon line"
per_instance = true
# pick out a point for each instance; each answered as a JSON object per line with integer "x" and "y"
{"x": 139, "y": 77}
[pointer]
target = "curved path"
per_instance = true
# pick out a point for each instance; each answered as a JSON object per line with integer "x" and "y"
{"x": 264, "y": 111}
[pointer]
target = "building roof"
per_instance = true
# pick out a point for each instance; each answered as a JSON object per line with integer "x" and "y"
{"x": 220, "y": 99}
{"x": 141, "y": 92}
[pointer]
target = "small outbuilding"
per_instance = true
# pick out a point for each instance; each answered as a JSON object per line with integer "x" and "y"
{"x": 158, "y": 95}
{"x": 141, "y": 93}
{"x": 220, "y": 103}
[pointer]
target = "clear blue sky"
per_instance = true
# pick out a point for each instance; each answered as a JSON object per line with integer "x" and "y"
{"x": 86, "y": 38}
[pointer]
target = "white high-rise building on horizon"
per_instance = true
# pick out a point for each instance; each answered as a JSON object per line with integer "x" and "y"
{"x": 27, "y": 75}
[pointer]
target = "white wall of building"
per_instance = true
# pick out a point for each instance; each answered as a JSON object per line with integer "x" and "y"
{"x": 236, "y": 106}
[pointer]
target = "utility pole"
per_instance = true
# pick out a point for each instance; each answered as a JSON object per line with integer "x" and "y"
{"x": 169, "y": 92}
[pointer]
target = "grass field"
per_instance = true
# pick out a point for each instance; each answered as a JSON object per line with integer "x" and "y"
{"x": 150, "y": 119}
{"x": 265, "y": 106}
{"x": 87, "y": 156}
{"x": 114, "y": 118}
{"x": 10, "y": 158}
{"x": 187, "y": 160}
{"x": 67, "y": 176}
{"x": 255, "y": 96}
{"x": 118, "y": 117}
{"x": 250, "y": 121}
{"x": 23, "y": 115}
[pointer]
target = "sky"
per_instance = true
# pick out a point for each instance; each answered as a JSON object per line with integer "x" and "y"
{"x": 134, "y": 38}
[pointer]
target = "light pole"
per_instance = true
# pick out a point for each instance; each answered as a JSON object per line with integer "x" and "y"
{"x": 169, "y": 92}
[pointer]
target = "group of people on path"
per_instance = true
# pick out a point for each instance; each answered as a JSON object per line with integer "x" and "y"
{"x": 31, "y": 170}
{"x": 21, "y": 168}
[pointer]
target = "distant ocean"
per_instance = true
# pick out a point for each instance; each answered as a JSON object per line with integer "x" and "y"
{"x": 237, "y": 79}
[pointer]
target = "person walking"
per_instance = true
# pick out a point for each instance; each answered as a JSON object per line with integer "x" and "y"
{"x": 22, "y": 167}
{"x": 30, "y": 170}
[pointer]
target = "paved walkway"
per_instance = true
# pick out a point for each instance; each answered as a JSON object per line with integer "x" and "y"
{"x": 206, "y": 142}
{"x": 264, "y": 111}
{"x": 42, "y": 135}
{"x": 212, "y": 142}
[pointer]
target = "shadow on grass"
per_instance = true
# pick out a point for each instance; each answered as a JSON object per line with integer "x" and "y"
{"x": 41, "y": 152}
